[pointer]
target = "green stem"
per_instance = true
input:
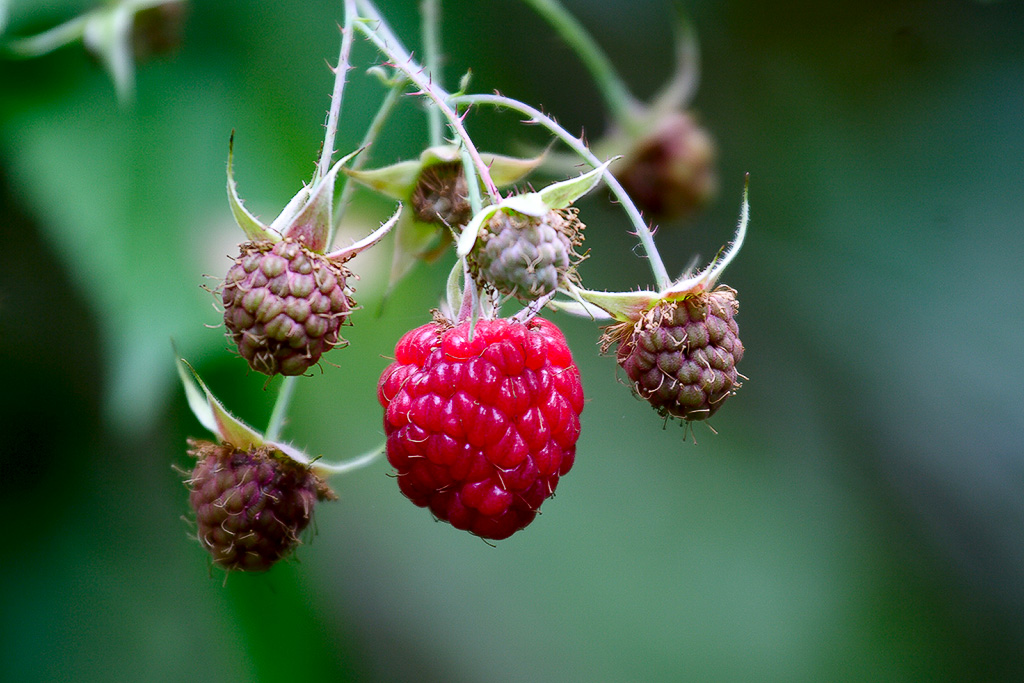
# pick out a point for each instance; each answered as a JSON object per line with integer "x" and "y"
{"x": 471, "y": 294}
{"x": 533, "y": 115}
{"x": 621, "y": 103}
{"x": 476, "y": 202}
{"x": 386, "y": 107}
{"x": 277, "y": 416}
{"x": 334, "y": 112}
{"x": 431, "y": 11}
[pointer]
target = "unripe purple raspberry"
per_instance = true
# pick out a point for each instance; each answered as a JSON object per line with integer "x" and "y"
{"x": 671, "y": 171}
{"x": 681, "y": 355}
{"x": 526, "y": 256}
{"x": 250, "y": 506}
{"x": 284, "y": 305}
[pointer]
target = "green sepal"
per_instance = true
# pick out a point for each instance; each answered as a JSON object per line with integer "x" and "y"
{"x": 398, "y": 180}
{"x": 47, "y": 41}
{"x": 469, "y": 234}
{"x": 415, "y": 240}
{"x": 562, "y": 194}
{"x": 506, "y": 170}
{"x": 105, "y": 31}
{"x": 395, "y": 181}
{"x": 107, "y": 34}
{"x": 312, "y": 222}
{"x": 345, "y": 253}
{"x": 454, "y": 290}
{"x": 629, "y": 306}
{"x": 253, "y": 228}
{"x": 677, "y": 93}
{"x": 624, "y": 306}
{"x": 196, "y": 400}
{"x": 555, "y": 196}
{"x": 212, "y": 414}
{"x": 707, "y": 278}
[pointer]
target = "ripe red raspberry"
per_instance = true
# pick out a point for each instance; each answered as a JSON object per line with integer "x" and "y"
{"x": 681, "y": 355}
{"x": 481, "y": 422}
{"x": 250, "y": 505}
{"x": 284, "y": 306}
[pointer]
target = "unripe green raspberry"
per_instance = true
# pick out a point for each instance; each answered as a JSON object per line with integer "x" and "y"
{"x": 525, "y": 256}
{"x": 284, "y": 306}
{"x": 681, "y": 355}
{"x": 250, "y": 505}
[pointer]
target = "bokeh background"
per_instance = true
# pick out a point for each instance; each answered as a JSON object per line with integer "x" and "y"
{"x": 857, "y": 517}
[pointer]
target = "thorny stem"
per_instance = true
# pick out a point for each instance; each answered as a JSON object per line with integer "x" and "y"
{"x": 284, "y": 399}
{"x": 622, "y": 104}
{"x": 287, "y": 391}
{"x": 403, "y": 61}
{"x": 643, "y": 232}
{"x": 431, "y": 12}
{"x": 340, "y": 72}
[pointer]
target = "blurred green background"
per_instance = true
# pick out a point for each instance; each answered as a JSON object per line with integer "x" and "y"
{"x": 858, "y": 517}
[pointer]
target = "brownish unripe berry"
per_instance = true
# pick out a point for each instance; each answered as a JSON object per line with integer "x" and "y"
{"x": 250, "y": 505}
{"x": 441, "y": 195}
{"x": 671, "y": 171}
{"x": 284, "y": 306}
{"x": 681, "y": 355}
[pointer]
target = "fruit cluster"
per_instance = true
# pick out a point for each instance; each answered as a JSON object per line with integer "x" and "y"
{"x": 481, "y": 408}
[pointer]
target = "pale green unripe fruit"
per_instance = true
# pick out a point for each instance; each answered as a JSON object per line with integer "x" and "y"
{"x": 526, "y": 256}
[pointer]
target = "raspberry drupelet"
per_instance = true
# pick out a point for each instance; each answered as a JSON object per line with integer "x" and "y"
{"x": 482, "y": 420}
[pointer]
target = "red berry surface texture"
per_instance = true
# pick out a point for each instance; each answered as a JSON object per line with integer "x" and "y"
{"x": 482, "y": 421}
{"x": 681, "y": 356}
